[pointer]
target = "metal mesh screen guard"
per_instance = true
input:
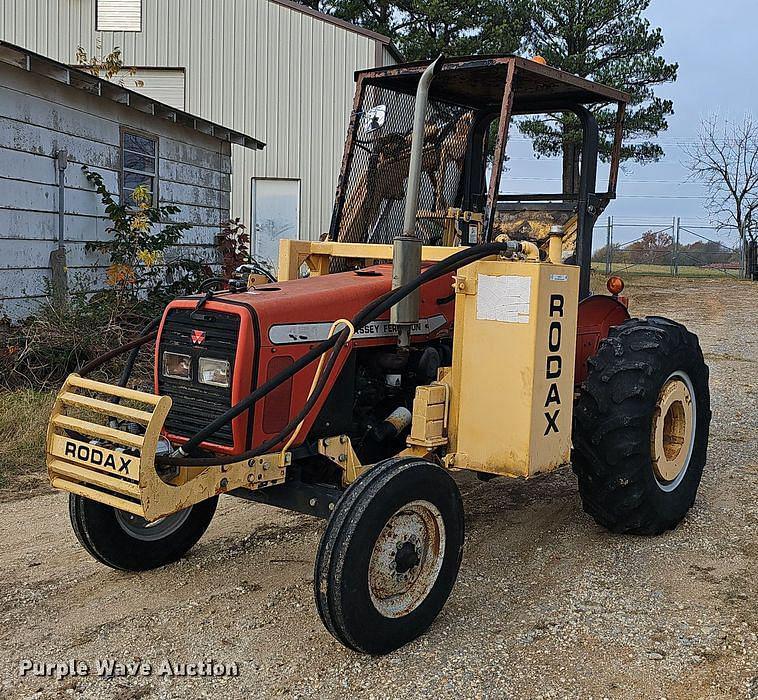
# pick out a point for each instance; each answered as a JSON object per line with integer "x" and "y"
{"x": 377, "y": 179}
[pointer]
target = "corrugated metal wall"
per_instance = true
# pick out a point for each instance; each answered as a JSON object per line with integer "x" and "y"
{"x": 268, "y": 70}
{"x": 162, "y": 84}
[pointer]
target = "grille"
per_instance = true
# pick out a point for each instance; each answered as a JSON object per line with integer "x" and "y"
{"x": 377, "y": 181}
{"x": 195, "y": 404}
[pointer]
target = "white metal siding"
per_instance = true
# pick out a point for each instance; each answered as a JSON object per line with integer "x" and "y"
{"x": 119, "y": 15}
{"x": 267, "y": 70}
{"x": 388, "y": 59}
{"x": 163, "y": 84}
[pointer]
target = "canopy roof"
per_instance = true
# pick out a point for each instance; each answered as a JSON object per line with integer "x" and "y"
{"x": 479, "y": 82}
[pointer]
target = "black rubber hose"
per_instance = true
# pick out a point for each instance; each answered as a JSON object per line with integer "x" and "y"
{"x": 209, "y": 281}
{"x": 282, "y": 435}
{"x": 127, "y": 372}
{"x": 370, "y": 312}
{"x": 100, "y": 361}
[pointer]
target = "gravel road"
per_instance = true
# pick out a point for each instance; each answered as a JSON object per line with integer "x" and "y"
{"x": 547, "y": 604}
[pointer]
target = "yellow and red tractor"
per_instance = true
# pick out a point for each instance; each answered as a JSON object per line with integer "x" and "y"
{"x": 439, "y": 326}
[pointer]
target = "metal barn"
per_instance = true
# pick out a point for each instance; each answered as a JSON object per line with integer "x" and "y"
{"x": 273, "y": 68}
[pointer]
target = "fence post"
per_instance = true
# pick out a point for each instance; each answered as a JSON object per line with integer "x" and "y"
{"x": 608, "y": 246}
{"x": 675, "y": 259}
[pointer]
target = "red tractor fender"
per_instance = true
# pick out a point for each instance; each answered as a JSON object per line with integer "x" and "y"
{"x": 595, "y": 318}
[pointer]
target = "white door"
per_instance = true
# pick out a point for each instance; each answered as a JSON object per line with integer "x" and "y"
{"x": 276, "y": 215}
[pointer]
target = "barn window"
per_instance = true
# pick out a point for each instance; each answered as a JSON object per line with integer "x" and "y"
{"x": 139, "y": 164}
{"x": 118, "y": 15}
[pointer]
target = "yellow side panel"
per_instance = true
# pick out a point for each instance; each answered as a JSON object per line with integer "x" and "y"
{"x": 513, "y": 367}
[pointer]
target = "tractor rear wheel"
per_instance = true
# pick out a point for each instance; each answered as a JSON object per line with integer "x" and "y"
{"x": 390, "y": 555}
{"x": 641, "y": 427}
{"x": 128, "y": 542}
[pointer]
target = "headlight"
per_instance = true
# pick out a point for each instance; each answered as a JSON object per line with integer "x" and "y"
{"x": 214, "y": 372}
{"x": 177, "y": 366}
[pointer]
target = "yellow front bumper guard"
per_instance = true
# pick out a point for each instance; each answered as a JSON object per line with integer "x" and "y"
{"x": 119, "y": 468}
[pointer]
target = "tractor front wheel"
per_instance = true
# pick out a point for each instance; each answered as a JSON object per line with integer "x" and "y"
{"x": 641, "y": 427}
{"x": 128, "y": 542}
{"x": 390, "y": 555}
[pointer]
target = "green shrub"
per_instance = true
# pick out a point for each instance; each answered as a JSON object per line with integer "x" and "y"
{"x": 142, "y": 277}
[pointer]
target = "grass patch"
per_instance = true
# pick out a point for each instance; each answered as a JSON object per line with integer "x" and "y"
{"x": 23, "y": 424}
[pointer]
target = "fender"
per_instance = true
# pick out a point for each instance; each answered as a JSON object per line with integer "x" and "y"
{"x": 596, "y": 316}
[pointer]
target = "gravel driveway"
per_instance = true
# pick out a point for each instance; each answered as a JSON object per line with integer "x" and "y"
{"x": 547, "y": 604}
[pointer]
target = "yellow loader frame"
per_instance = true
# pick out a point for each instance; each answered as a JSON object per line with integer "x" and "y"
{"x": 125, "y": 480}
{"x": 88, "y": 456}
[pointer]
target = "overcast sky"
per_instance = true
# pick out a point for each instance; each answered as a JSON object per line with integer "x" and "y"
{"x": 716, "y": 46}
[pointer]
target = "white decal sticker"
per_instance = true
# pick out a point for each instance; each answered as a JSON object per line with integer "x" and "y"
{"x": 505, "y": 298}
{"x": 559, "y": 278}
{"x": 288, "y": 333}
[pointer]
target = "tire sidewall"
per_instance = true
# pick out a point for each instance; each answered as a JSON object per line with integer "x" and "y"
{"x": 613, "y": 426}
{"x": 367, "y": 628}
{"x": 682, "y": 497}
{"x": 95, "y": 524}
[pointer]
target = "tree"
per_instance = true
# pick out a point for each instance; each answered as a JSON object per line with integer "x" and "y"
{"x": 609, "y": 41}
{"x": 423, "y": 29}
{"x": 652, "y": 248}
{"x": 725, "y": 159}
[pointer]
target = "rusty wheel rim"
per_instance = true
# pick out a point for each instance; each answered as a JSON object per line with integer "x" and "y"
{"x": 406, "y": 559}
{"x": 673, "y": 431}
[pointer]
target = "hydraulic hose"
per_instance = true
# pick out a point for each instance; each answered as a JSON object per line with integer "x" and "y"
{"x": 369, "y": 313}
{"x": 135, "y": 344}
{"x": 210, "y": 282}
{"x": 146, "y": 331}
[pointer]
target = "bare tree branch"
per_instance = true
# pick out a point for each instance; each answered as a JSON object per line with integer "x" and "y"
{"x": 725, "y": 159}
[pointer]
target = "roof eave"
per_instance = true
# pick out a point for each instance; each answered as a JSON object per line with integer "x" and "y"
{"x": 82, "y": 80}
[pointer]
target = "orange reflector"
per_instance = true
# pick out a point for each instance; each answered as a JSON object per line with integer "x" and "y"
{"x": 539, "y": 59}
{"x": 615, "y": 285}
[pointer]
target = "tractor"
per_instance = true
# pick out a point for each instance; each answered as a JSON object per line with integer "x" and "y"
{"x": 438, "y": 326}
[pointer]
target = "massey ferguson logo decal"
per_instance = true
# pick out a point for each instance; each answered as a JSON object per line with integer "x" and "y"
{"x": 88, "y": 453}
{"x": 288, "y": 333}
{"x": 197, "y": 337}
{"x": 554, "y": 362}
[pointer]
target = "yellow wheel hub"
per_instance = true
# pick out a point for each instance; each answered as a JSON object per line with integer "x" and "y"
{"x": 672, "y": 435}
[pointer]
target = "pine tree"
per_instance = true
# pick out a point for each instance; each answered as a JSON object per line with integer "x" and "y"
{"x": 609, "y": 41}
{"x": 422, "y": 29}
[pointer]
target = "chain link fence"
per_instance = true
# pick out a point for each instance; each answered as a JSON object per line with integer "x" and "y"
{"x": 675, "y": 249}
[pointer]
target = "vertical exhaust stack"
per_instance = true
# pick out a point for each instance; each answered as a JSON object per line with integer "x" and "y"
{"x": 406, "y": 254}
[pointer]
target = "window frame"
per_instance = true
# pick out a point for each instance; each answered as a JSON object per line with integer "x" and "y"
{"x": 126, "y": 131}
{"x": 133, "y": 31}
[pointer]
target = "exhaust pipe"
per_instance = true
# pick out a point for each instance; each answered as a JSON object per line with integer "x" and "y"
{"x": 406, "y": 254}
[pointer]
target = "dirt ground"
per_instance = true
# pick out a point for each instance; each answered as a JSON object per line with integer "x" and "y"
{"x": 547, "y": 605}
